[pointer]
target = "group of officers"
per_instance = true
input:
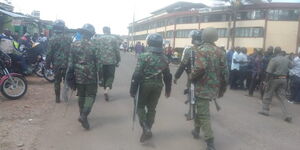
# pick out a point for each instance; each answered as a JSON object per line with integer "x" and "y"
{"x": 89, "y": 62}
{"x": 84, "y": 64}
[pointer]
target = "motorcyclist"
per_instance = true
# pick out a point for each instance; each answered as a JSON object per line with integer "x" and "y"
{"x": 7, "y": 46}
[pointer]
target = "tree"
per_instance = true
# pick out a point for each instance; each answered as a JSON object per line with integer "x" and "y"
{"x": 234, "y": 6}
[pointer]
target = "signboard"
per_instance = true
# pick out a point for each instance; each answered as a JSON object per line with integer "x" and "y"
{"x": 16, "y": 22}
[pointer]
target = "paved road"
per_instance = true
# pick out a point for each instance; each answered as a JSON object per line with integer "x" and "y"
{"x": 236, "y": 127}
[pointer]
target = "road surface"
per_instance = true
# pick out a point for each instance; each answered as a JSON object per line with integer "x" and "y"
{"x": 236, "y": 127}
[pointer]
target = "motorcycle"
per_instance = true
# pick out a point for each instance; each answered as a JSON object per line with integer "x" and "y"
{"x": 13, "y": 85}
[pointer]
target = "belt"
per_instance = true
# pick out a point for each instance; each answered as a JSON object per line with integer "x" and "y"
{"x": 280, "y": 77}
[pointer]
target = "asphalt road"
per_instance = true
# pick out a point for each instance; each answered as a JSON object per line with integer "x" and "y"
{"x": 236, "y": 127}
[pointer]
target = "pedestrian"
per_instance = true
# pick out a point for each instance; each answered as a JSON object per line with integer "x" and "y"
{"x": 295, "y": 80}
{"x": 138, "y": 48}
{"x": 83, "y": 65}
{"x": 243, "y": 68}
{"x": 109, "y": 48}
{"x": 57, "y": 56}
{"x": 235, "y": 69}
{"x": 210, "y": 76}
{"x": 256, "y": 71}
{"x": 188, "y": 52}
{"x": 276, "y": 80}
{"x": 152, "y": 68}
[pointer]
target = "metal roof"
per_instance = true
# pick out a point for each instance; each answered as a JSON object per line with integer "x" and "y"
{"x": 179, "y": 6}
{"x": 13, "y": 14}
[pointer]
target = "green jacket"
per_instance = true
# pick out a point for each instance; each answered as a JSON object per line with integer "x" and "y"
{"x": 109, "y": 52}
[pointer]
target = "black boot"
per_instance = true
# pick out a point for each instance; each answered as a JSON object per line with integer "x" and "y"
{"x": 210, "y": 144}
{"x": 147, "y": 134}
{"x": 196, "y": 133}
{"x": 84, "y": 120}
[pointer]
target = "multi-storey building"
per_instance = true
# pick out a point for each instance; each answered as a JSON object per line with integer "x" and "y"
{"x": 254, "y": 26}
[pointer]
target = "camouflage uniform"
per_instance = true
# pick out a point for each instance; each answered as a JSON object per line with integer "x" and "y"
{"x": 59, "y": 47}
{"x": 85, "y": 63}
{"x": 110, "y": 57}
{"x": 277, "y": 70}
{"x": 185, "y": 64}
{"x": 208, "y": 74}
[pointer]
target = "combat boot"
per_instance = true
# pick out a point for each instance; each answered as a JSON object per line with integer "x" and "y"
{"x": 106, "y": 94}
{"x": 84, "y": 120}
{"x": 288, "y": 119}
{"x": 265, "y": 110}
{"x": 57, "y": 94}
{"x": 147, "y": 134}
{"x": 196, "y": 133}
{"x": 210, "y": 144}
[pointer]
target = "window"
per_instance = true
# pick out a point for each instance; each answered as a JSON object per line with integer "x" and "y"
{"x": 187, "y": 19}
{"x": 222, "y": 32}
{"x": 249, "y": 32}
{"x": 140, "y": 37}
{"x": 170, "y": 21}
{"x": 250, "y": 15}
{"x": 283, "y": 15}
{"x": 214, "y": 18}
{"x": 162, "y": 34}
{"x": 169, "y": 34}
{"x": 182, "y": 33}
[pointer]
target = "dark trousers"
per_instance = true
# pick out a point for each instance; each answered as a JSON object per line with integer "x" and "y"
{"x": 108, "y": 75}
{"x": 295, "y": 89}
{"x": 234, "y": 79}
{"x": 20, "y": 60}
{"x": 255, "y": 81}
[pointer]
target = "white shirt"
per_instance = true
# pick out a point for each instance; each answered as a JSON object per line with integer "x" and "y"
{"x": 296, "y": 67}
{"x": 243, "y": 58}
{"x": 235, "y": 66}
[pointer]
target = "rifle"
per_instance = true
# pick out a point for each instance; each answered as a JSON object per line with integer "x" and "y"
{"x": 135, "y": 103}
{"x": 191, "y": 94}
{"x": 217, "y": 105}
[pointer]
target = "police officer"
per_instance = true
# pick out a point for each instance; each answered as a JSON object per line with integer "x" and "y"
{"x": 210, "y": 76}
{"x": 185, "y": 59}
{"x": 151, "y": 70}
{"x": 57, "y": 56}
{"x": 276, "y": 77}
{"x": 83, "y": 60}
{"x": 110, "y": 58}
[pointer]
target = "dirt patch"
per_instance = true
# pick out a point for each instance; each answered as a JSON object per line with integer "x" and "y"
{"x": 21, "y": 120}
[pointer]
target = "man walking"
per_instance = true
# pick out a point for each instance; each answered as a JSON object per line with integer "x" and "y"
{"x": 59, "y": 48}
{"x": 210, "y": 76}
{"x": 276, "y": 77}
{"x": 152, "y": 68}
{"x": 110, "y": 59}
{"x": 83, "y": 66}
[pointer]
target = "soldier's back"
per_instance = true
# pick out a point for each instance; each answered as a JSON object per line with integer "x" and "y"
{"x": 59, "y": 49}
{"x": 108, "y": 46}
{"x": 279, "y": 65}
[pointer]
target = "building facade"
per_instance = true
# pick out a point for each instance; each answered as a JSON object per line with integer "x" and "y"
{"x": 251, "y": 26}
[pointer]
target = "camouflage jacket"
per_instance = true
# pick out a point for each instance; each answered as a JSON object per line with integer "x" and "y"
{"x": 151, "y": 66}
{"x": 108, "y": 46}
{"x": 84, "y": 61}
{"x": 209, "y": 71}
{"x": 58, "y": 51}
{"x": 185, "y": 62}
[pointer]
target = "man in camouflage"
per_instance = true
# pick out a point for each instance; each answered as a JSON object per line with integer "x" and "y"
{"x": 152, "y": 68}
{"x": 110, "y": 57}
{"x": 59, "y": 47}
{"x": 83, "y": 60}
{"x": 185, "y": 63}
{"x": 276, "y": 80}
{"x": 210, "y": 75}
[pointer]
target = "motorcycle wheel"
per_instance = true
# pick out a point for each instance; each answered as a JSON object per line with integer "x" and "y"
{"x": 49, "y": 75}
{"x": 39, "y": 70}
{"x": 14, "y": 88}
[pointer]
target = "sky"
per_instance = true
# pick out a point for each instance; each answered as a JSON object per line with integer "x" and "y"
{"x": 114, "y": 13}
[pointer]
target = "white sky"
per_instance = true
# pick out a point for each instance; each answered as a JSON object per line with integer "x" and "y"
{"x": 114, "y": 13}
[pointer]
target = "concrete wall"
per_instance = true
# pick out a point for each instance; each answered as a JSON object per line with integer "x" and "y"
{"x": 283, "y": 34}
{"x": 249, "y": 42}
{"x": 187, "y": 26}
{"x": 251, "y": 23}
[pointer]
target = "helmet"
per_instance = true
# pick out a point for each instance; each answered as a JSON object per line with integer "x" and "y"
{"x": 59, "y": 25}
{"x": 106, "y": 30}
{"x": 209, "y": 35}
{"x": 196, "y": 36}
{"x": 155, "y": 40}
{"x": 89, "y": 28}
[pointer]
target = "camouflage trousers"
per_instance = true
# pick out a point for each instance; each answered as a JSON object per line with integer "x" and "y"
{"x": 59, "y": 74}
{"x": 108, "y": 75}
{"x": 277, "y": 87}
{"x": 148, "y": 99}
{"x": 86, "y": 96}
{"x": 202, "y": 117}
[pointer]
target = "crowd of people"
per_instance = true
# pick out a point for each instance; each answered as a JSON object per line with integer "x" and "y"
{"x": 248, "y": 72}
